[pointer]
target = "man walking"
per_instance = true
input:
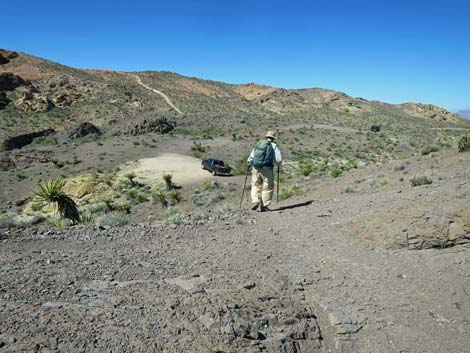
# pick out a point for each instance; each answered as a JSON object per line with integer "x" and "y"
{"x": 262, "y": 158}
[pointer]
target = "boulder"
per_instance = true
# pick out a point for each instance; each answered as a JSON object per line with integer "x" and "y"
{"x": 10, "y": 81}
{"x": 4, "y": 59}
{"x": 20, "y": 141}
{"x": 3, "y": 100}
{"x": 85, "y": 129}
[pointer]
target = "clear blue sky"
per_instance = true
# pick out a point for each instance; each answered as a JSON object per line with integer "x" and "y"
{"x": 393, "y": 51}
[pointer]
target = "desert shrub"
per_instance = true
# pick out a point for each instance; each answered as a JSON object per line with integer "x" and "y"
{"x": 294, "y": 190}
{"x": 336, "y": 172}
{"x": 240, "y": 166}
{"x": 113, "y": 219}
{"x": 174, "y": 196}
{"x": 307, "y": 168}
{"x": 464, "y": 143}
{"x": 382, "y": 180}
{"x": 198, "y": 147}
{"x": 86, "y": 218}
{"x": 174, "y": 217}
{"x": 123, "y": 207}
{"x": 429, "y": 149}
{"x": 210, "y": 185}
{"x": 135, "y": 196}
{"x": 349, "y": 190}
{"x": 207, "y": 195}
{"x": 52, "y": 192}
{"x": 159, "y": 196}
{"x": 399, "y": 167}
{"x": 419, "y": 179}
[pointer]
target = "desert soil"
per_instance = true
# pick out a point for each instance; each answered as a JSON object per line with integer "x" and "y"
{"x": 185, "y": 170}
{"x": 317, "y": 274}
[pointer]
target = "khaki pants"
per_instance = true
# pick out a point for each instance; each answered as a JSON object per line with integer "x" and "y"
{"x": 262, "y": 185}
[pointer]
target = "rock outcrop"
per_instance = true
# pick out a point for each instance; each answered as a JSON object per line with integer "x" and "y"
{"x": 159, "y": 125}
{"x": 429, "y": 111}
{"x": 85, "y": 129}
{"x": 9, "y": 81}
{"x": 436, "y": 229}
{"x": 20, "y": 141}
{"x": 33, "y": 102}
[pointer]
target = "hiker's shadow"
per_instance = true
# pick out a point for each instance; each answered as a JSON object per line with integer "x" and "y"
{"x": 289, "y": 207}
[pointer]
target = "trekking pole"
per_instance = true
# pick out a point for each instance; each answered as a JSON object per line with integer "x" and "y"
{"x": 244, "y": 185}
{"x": 277, "y": 191}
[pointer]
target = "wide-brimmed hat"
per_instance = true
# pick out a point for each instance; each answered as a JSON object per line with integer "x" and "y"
{"x": 270, "y": 134}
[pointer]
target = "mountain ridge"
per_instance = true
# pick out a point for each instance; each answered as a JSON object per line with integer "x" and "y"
{"x": 35, "y": 69}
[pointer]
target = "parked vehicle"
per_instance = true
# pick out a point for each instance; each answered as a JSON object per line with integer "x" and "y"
{"x": 375, "y": 128}
{"x": 215, "y": 166}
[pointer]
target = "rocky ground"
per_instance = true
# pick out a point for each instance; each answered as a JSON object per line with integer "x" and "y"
{"x": 336, "y": 270}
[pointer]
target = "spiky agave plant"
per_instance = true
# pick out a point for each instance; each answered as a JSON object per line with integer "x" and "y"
{"x": 52, "y": 192}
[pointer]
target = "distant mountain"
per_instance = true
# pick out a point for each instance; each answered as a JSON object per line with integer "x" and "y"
{"x": 39, "y": 94}
{"x": 465, "y": 113}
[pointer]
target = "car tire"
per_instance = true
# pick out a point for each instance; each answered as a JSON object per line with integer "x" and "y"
{"x": 214, "y": 173}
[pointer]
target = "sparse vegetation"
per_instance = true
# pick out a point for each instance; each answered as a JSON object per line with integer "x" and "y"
{"x": 429, "y": 149}
{"x": 421, "y": 179}
{"x": 113, "y": 219}
{"x": 294, "y": 190}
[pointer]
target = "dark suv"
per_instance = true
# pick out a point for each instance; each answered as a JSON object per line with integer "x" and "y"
{"x": 215, "y": 166}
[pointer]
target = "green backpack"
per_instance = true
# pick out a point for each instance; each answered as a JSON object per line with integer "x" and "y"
{"x": 263, "y": 155}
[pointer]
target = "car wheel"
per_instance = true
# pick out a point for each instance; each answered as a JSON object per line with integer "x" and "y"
{"x": 214, "y": 173}
{"x": 202, "y": 166}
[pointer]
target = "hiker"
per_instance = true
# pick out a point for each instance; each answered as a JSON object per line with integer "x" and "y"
{"x": 262, "y": 158}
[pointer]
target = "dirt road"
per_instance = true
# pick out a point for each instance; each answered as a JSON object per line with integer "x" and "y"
{"x": 163, "y": 95}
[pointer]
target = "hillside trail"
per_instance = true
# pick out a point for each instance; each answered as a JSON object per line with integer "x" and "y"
{"x": 163, "y": 95}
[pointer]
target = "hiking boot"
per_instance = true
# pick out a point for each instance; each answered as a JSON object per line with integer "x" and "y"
{"x": 265, "y": 209}
{"x": 254, "y": 207}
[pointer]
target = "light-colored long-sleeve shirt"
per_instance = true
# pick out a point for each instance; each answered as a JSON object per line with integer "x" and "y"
{"x": 277, "y": 154}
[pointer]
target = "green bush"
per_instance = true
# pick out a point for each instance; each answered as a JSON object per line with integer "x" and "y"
{"x": 307, "y": 168}
{"x": 418, "y": 180}
{"x": 382, "y": 180}
{"x": 198, "y": 147}
{"x": 429, "y": 149}
{"x": 336, "y": 172}
{"x": 464, "y": 143}
{"x": 159, "y": 197}
{"x": 174, "y": 196}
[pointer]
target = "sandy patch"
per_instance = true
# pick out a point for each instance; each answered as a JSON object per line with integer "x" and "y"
{"x": 185, "y": 170}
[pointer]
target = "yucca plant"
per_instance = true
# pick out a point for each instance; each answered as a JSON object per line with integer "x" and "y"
{"x": 464, "y": 143}
{"x": 168, "y": 179}
{"x": 52, "y": 192}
